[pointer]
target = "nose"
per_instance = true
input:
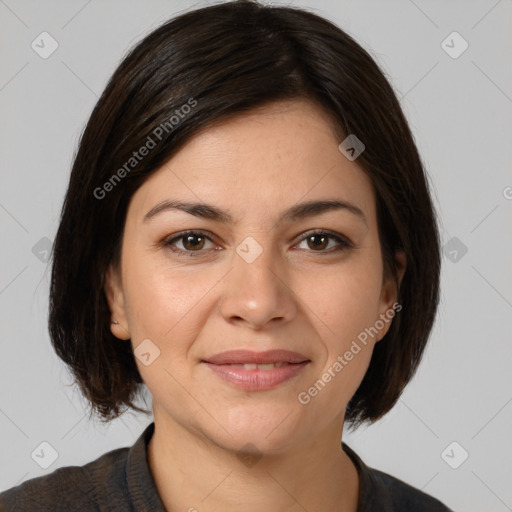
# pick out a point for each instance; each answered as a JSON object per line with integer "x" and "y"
{"x": 258, "y": 292}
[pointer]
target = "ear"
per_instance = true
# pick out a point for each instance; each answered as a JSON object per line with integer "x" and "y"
{"x": 389, "y": 295}
{"x": 115, "y": 297}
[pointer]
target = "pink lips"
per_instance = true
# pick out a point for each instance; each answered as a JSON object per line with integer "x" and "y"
{"x": 239, "y": 367}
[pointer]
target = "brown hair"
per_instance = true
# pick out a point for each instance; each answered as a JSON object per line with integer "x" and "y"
{"x": 222, "y": 61}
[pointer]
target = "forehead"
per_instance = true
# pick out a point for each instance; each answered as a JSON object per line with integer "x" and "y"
{"x": 265, "y": 160}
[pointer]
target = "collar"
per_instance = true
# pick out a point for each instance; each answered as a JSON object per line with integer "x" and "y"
{"x": 141, "y": 486}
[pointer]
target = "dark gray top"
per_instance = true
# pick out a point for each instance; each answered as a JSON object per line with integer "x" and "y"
{"x": 121, "y": 481}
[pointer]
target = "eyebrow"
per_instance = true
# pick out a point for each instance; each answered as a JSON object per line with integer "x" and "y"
{"x": 296, "y": 212}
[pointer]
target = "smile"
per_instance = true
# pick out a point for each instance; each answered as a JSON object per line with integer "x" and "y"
{"x": 257, "y": 377}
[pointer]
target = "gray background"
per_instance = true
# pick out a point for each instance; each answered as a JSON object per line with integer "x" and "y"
{"x": 459, "y": 110}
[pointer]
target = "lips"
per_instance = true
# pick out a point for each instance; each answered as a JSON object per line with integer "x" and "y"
{"x": 256, "y": 371}
{"x": 265, "y": 366}
{"x": 251, "y": 358}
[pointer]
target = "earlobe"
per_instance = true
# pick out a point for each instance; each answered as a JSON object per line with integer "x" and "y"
{"x": 115, "y": 298}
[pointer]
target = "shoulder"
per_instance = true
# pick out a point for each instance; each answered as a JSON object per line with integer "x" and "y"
{"x": 71, "y": 487}
{"x": 400, "y": 496}
{"x": 381, "y": 492}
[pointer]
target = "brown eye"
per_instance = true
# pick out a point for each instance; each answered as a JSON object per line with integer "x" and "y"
{"x": 318, "y": 241}
{"x": 193, "y": 242}
{"x": 325, "y": 242}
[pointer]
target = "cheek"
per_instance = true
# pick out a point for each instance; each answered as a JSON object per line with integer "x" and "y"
{"x": 345, "y": 304}
{"x": 165, "y": 306}
{"x": 160, "y": 298}
{"x": 345, "y": 301}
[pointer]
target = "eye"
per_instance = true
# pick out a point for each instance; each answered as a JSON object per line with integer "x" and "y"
{"x": 318, "y": 241}
{"x": 192, "y": 243}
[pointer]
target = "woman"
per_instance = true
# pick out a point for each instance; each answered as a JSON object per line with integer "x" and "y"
{"x": 247, "y": 232}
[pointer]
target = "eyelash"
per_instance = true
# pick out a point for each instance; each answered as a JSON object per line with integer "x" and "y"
{"x": 344, "y": 243}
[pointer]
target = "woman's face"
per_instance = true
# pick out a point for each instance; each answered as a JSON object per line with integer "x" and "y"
{"x": 259, "y": 281}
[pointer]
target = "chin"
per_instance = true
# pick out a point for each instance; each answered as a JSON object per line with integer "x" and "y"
{"x": 269, "y": 429}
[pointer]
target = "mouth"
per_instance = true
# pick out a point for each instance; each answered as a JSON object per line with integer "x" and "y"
{"x": 256, "y": 371}
{"x": 263, "y": 366}
{"x": 242, "y": 357}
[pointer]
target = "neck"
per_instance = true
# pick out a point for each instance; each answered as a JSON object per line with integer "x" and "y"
{"x": 192, "y": 473}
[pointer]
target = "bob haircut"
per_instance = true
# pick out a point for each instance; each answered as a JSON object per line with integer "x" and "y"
{"x": 206, "y": 66}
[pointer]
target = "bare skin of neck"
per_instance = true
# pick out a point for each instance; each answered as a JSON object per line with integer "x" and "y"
{"x": 194, "y": 474}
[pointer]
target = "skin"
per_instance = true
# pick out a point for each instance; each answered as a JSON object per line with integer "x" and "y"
{"x": 295, "y": 295}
